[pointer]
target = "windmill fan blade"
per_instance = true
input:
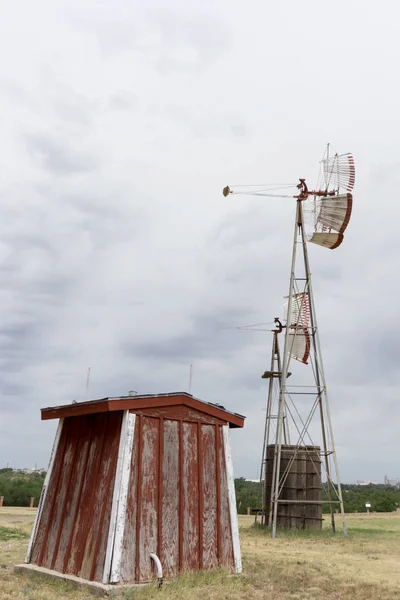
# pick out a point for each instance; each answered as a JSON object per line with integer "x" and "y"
{"x": 327, "y": 240}
{"x": 329, "y": 212}
{"x": 339, "y": 172}
{"x": 335, "y": 212}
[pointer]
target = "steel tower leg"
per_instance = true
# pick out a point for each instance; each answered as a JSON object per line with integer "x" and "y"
{"x": 281, "y": 407}
{"x": 267, "y": 434}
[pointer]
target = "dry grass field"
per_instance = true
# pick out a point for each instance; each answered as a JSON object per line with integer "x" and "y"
{"x": 365, "y": 566}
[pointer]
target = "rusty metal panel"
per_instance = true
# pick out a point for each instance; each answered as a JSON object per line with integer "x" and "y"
{"x": 209, "y": 493}
{"x": 190, "y": 504}
{"x": 147, "y": 497}
{"x": 128, "y": 562}
{"x": 226, "y": 546}
{"x": 170, "y": 502}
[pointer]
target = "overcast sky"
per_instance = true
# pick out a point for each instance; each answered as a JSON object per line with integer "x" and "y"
{"x": 120, "y": 124}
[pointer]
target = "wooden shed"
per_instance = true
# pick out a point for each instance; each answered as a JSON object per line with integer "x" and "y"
{"x": 137, "y": 475}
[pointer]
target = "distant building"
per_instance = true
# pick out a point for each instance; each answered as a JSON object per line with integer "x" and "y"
{"x": 392, "y": 482}
{"x": 366, "y": 482}
{"x": 28, "y": 471}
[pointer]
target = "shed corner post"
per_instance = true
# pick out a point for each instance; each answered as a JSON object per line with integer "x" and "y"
{"x": 45, "y": 487}
{"x": 112, "y": 563}
{"x": 237, "y": 557}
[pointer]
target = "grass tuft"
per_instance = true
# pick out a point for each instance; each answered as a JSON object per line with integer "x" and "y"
{"x": 7, "y": 534}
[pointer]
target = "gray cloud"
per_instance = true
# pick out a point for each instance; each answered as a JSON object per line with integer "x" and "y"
{"x": 122, "y": 100}
{"x": 57, "y": 157}
{"x": 172, "y": 39}
{"x": 117, "y": 249}
{"x": 208, "y": 336}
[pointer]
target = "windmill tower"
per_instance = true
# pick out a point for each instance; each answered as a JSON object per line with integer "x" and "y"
{"x": 293, "y": 458}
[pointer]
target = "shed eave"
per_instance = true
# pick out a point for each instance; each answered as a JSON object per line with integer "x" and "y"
{"x": 142, "y": 402}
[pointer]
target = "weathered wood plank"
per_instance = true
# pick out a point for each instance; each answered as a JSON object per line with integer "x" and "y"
{"x": 115, "y": 547}
{"x": 200, "y": 492}
{"x": 210, "y": 559}
{"x": 218, "y": 491}
{"x": 128, "y": 562}
{"x": 45, "y": 489}
{"x": 160, "y": 483}
{"x": 84, "y": 513}
{"x": 44, "y": 524}
{"x": 106, "y": 496}
{"x": 94, "y": 552}
{"x": 73, "y": 494}
{"x": 170, "y": 504}
{"x": 181, "y": 514}
{"x": 138, "y": 495}
{"x": 62, "y": 493}
{"x": 226, "y": 556}
{"x": 237, "y": 557}
{"x": 148, "y": 513}
{"x": 190, "y": 504}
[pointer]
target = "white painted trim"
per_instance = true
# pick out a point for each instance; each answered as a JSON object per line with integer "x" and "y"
{"x": 237, "y": 557}
{"x": 44, "y": 490}
{"x": 123, "y": 499}
{"x": 117, "y": 520}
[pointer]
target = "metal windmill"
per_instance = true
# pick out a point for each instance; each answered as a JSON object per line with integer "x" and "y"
{"x": 322, "y": 216}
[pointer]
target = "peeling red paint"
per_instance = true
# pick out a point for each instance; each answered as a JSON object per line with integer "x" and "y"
{"x": 177, "y": 500}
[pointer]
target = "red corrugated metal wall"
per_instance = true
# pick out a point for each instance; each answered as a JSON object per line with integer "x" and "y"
{"x": 73, "y": 529}
{"x": 178, "y": 498}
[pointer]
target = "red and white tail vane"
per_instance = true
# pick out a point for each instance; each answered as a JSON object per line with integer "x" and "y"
{"x": 298, "y": 322}
{"x": 300, "y": 311}
{"x": 299, "y": 343}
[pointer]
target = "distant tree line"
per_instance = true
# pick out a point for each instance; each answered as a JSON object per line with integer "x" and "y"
{"x": 18, "y": 488}
{"x": 382, "y": 498}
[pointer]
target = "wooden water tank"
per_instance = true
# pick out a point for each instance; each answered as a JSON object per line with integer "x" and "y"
{"x": 138, "y": 475}
{"x": 302, "y": 488}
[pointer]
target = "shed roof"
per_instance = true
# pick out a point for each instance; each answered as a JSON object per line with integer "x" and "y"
{"x": 140, "y": 402}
